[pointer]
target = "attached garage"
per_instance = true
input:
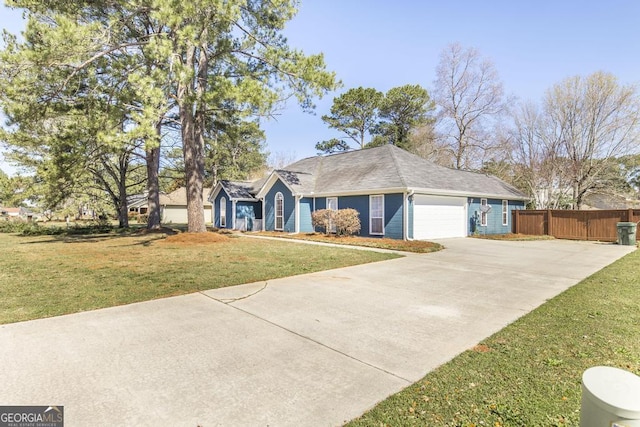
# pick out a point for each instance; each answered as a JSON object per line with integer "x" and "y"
{"x": 178, "y": 214}
{"x": 437, "y": 217}
{"x": 174, "y": 215}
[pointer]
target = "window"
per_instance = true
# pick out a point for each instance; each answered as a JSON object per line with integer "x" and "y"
{"x": 376, "y": 215}
{"x": 279, "y": 203}
{"x": 484, "y": 211}
{"x": 332, "y": 204}
{"x": 505, "y": 212}
{"x": 223, "y": 212}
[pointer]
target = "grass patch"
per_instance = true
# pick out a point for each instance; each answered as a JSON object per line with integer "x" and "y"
{"x": 417, "y": 246}
{"x": 512, "y": 236}
{"x": 50, "y": 275}
{"x": 529, "y": 373}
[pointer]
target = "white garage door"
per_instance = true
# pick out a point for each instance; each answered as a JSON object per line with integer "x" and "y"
{"x": 436, "y": 217}
{"x": 178, "y": 215}
{"x": 174, "y": 215}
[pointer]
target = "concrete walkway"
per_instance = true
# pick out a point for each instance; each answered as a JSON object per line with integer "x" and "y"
{"x": 310, "y": 350}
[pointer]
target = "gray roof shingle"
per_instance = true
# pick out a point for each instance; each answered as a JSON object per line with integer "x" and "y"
{"x": 240, "y": 190}
{"x": 388, "y": 167}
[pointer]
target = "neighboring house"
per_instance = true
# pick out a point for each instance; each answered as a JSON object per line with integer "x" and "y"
{"x": 137, "y": 204}
{"x": 608, "y": 201}
{"x": 16, "y": 213}
{"x": 173, "y": 206}
{"x": 398, "y": 195}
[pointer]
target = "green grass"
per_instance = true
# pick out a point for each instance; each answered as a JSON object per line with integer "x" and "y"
{"x": 529, "y": 374}
{"x": 42, "y": 276}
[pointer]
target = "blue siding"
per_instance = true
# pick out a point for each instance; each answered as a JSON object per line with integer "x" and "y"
{"x": 494, "y": 216}
{"x": 321, "y": 203}
{"x": 393, "y": 216}
{"x": 216, "y": 208}
{"x": 306, "y": 205}
{"x": 269, "y": 207}
{"x": 359, "y": 203}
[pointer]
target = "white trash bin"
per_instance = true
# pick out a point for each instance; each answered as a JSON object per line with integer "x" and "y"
{"x": 610, "y": 398}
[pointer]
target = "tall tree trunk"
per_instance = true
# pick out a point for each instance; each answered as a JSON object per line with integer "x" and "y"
{"x": 122, "y": 209}
{"x": 153, "y": 183}
{"x": 194, "y": 173}
{"x": 192, "y": 146}
{"x": 123, "y": 214}
{"x": 121, "y": 202}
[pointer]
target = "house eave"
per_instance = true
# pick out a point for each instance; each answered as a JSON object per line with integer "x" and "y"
{"x": 270, "y": 182}
{"x": 458, "y": 193}
{"x": 214, "y": 192}
{"x": 362, "y": 192}
{"x": 243, "y": 199}
{"x": 416, "y": 190}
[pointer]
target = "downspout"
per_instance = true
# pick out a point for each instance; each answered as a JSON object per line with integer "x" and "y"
{"x": 296, "y": 227}
{"x": 405, "y": 230}
{"x": 264, "y": 218}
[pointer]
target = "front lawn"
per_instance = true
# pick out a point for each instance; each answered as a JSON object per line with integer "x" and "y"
{"x": 42, "y": 276}
{"x": 417, "y": 246}
{"x": 529, "y": 373}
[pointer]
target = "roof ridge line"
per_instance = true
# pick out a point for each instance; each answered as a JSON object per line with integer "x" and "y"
{"x": 395, "y": 163}
{"x": 316, "y": 173}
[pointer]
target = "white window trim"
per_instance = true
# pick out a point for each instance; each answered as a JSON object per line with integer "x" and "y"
{"x": 223, "y": 212}
{"x": 484, "y": 216}
{"x": 278, "y": 196}
{"x": 332, "y": 226}
{"x": 332, "y": 198}
{"x": 505, "y": 212}
{"x": 371, "y": 217}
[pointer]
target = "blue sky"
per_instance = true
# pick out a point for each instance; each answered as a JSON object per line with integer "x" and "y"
{"x": 383, "y": 44}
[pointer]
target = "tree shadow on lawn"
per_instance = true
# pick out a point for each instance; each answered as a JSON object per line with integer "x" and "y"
{"x": 86, "y": 235}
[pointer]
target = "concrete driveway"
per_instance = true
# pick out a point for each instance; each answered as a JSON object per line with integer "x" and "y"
{"x": 311, "y": 350}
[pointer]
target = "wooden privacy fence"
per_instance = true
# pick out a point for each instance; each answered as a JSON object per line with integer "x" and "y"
{"x": 578, "y": 225}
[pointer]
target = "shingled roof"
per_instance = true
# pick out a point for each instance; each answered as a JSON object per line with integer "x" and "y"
{"x": 388, "y": 168}
{"x": 241, "y": 190}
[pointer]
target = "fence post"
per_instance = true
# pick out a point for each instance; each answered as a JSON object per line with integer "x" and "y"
{"x": 630, "y": 215}
{"x": 516, "y": 216}
{"x": 549, "y": 227}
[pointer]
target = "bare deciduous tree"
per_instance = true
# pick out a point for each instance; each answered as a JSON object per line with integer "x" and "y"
{"x": 593, "y": 120}
{"x": 280, "y": 159}
{"x": 423, "y": 142}
{"x": 470, "y": 96}
{"x": 536, "y": 157}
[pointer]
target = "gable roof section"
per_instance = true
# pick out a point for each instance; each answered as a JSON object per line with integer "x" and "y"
{"x": 238, "y": 190}
{"x": 388, "y": 168}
